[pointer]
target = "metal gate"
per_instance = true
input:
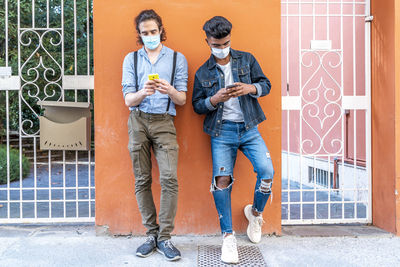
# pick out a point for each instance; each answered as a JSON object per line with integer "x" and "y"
{"x": 326, "y": 120}
{"x": 45, "y": 54}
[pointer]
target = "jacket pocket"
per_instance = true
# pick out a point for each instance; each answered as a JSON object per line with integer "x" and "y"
{"x": 210, "y": 86}
{"x": 244, "y": 74}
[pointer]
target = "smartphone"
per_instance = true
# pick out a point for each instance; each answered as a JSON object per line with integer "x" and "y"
{"x": 231, "y": 86}
{"x": 153, "y": 76}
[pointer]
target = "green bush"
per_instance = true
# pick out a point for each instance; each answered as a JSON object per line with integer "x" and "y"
{"x": 14, "y": 165}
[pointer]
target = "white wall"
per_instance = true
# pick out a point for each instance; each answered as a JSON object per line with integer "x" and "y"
{"x": 351, "y": 177}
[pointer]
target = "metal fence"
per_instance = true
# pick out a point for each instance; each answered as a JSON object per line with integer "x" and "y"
{"x": 45, "y": 54}
{"x": 326, "y": 120}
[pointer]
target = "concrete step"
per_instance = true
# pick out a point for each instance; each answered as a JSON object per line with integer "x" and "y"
{"x": 44, "y": 158}
{"x": 16, "y": 146}
{"x": 23, "y": 140}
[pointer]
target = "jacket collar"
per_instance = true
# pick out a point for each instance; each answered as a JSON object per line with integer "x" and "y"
{"x": 211, "y": 61}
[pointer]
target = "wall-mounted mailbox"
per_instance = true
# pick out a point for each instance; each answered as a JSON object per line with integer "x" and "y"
{"x": 65, "y": 125}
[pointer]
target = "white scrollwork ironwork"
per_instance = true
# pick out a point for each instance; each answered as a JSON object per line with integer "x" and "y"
{"x": 41, "y": 73}
{"x": 321, "y": 103}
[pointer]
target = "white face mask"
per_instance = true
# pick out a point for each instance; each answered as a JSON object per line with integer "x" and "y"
{"x": 151, "y": 42}
{"x": 220, "y": 53}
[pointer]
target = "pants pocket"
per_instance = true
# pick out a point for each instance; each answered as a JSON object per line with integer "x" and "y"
{"x": 134, "y": 152}
{"x": 168, "y": 159}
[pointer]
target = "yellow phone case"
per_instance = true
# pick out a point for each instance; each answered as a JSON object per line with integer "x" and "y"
{"x": 153, "y": 76}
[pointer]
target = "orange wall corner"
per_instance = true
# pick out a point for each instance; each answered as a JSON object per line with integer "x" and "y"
{"x": 256, "y": 29}
{"x": 383, "y": 109}
{"x": 397, "y": 86}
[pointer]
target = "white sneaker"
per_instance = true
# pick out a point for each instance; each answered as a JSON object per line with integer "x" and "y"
{"x": 255, "y": 224}
{"x": 229, "y": 250}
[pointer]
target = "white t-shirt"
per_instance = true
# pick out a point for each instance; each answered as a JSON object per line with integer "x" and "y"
{"x": 232, "y": 111}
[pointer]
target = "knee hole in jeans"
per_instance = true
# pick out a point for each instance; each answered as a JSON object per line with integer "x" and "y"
{"x": 222, "y": 182}
{"x": 265, "y": 186}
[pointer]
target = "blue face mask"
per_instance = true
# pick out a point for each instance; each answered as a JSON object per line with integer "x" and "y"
{"x": 151, "y": 42}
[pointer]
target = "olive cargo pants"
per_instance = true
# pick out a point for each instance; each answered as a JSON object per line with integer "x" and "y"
{"x": 155, "y": 131}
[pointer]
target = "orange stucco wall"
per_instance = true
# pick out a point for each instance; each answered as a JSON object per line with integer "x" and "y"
{"x": 256, "y": 28}
{"x": 397, "y": 85}
{"x": 384, "y": 130}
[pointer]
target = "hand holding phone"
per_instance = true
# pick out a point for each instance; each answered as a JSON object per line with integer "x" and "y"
{"x": 231, "y": 86}
{"x": 163, "y": 86}
{"x": 240, "y": 89}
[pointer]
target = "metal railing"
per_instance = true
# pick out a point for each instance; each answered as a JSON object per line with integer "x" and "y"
{"x": 48, "y": 46}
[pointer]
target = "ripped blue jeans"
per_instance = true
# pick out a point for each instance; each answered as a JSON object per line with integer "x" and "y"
{"x": 234, "y": 137}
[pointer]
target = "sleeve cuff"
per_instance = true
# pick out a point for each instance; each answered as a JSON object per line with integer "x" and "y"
{"x": 181, "y": 88}
{"x": 208, "y": 104}
{"x": 128, "y": 89}
{"x": 259, "y": 90}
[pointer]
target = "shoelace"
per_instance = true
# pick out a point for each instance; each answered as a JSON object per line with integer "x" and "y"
{"x": 150, "y": 239}
{"x": 231, "y": 245}
{"x": 168, "y": 244}
{"x": 258, "y": 222}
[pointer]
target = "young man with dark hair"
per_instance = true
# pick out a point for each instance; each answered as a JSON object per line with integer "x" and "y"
{"x": 154, "y": 80}
{"x": 226, "y": 89}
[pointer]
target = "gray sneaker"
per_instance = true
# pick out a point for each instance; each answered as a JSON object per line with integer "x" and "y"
{"x": 147, "y": 248}
{"x": 168, "y": 249}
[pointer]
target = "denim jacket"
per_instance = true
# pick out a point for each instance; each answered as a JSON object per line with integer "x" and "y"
{"x": 209, "y": 79}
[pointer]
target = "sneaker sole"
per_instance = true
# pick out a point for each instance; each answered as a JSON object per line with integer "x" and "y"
{"x": 248, "y": 227}
{"x": 144, "y": 255}
{"x": 230, "y": 262}
{"x": 169, "y": 259}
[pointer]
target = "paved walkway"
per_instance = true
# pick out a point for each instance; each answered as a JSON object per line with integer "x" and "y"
{"x": 78, "y": 245}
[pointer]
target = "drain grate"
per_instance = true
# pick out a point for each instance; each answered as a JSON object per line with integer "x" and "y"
{"x": 211, "y": 256}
